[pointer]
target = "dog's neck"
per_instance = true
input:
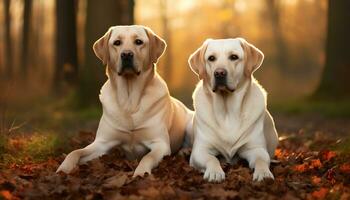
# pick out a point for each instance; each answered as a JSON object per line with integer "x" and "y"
{"x": 129, "y": 90}
{"x": 229, "y": 104}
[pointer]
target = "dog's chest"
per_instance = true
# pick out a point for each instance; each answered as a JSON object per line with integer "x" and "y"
{"x": 228, "y": 133}
{"x": 134, "y": 149}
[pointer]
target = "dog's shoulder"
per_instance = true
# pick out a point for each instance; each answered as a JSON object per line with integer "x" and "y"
{"x": 199, "y": 96}
{"x": 105, "y": 92}
{"x": 257, "y": 92}
{"x": 157, "y": 87}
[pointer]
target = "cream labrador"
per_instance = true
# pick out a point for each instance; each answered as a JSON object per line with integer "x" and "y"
{"x": 139, "y": 115}
{"x": 230, "y": 109}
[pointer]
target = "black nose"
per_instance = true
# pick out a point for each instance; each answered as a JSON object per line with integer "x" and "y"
{"x": 127, "y": 55}
{"x": 220, "y": 73}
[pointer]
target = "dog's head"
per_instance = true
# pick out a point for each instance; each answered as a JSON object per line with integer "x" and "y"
{"x": 225, "y": 63}
{"x": 129, "y": 50}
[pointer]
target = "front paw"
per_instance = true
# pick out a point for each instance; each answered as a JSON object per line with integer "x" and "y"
{"x": 69, "y": 163}
{"x": 141, "y": 171}
{"x": 261, "y": 174}
{"x": 214, "y": 175}
{"x": 66, "y": 167}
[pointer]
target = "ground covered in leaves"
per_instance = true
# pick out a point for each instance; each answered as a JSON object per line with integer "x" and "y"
{"x": 310, "y": 164}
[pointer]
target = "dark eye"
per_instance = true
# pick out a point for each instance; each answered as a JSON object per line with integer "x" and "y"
{"x": 233, "y": 57}
{"x": 117, "y": 42}
{"x": 211, "y": 58}
{"x": 138, "y": 42}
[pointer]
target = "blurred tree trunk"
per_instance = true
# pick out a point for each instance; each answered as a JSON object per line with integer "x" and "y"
{"x": 8, "y": 42}
{"x": 99, "y": 17}
{"x": 27, "y": 13}
{"x": 335, "y": 80}
{"x": 273, "y": 7}
{"x": 66, "y": 66}
{"x": 167, "y": 68}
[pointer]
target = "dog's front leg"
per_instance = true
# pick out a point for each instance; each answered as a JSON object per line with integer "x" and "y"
{"x": 104, "y": 141}
{"x": 159, "y": 149}
{"x": 258, "y": 159}
{"x": 255, "y": 152}
{"x": 92, "y": 151}
{"x": 203, "y": 159}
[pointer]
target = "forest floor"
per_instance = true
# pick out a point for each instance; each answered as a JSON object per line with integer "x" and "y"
{"x": 312, "y": 162}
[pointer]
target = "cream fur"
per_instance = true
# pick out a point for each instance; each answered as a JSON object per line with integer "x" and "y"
{"x": 231, "y": 123}
{"x": 139, "y": 115}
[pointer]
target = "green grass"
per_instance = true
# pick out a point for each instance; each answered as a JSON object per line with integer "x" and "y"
{"x": 48, "y": 124}
{"x": 35, "y": 147}
{"x": 343, "y": 146}
{"x": 322, "y": 107}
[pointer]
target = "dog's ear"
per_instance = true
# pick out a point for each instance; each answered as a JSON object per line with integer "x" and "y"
{"x": 156, "y": 45}
{"x": 101, "y": 47}
{"x": 197, "y": 61}
{"x": 253, "y": 57}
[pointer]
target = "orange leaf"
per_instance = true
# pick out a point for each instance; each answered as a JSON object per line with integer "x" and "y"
{"x": 345, "y": 168}
{"x": 327, "y": 155}
{"x": 6, "y": 194}
{"x": 278, "y": 153}
{"x": 320, "y": 194}
{"x": 316, "y": 164}
{"x": 300, "y": 168}
{"x": 315, "y": 180}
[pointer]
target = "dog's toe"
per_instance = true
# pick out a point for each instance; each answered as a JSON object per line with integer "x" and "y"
{"x": 214, "y": 175}
{"x": 65, "y": 167}
{"x": 140, "y": 172}
{"x": 261, "y": 174}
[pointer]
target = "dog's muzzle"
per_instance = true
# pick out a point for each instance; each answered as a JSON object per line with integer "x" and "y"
{"x": 220, "y": 84}
{"x": 128, "y": 68}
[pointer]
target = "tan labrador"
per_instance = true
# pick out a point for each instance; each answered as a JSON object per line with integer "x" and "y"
{"x": 139, "y": 115}
{"x": 230, "y": 109}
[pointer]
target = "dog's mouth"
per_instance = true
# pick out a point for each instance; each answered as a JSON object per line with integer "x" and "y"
{"x": 128, "y": 69}
{"x": 222, "y": 88}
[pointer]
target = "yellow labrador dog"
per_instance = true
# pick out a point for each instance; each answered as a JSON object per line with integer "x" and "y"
{"x": 139, "y": 115}
{"x": 230, "y": 109}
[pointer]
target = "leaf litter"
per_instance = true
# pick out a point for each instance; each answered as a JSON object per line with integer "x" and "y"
{"x": 300, "y": 173}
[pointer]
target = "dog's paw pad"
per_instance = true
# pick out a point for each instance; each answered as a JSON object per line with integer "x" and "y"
{"x": 214, "y": 175}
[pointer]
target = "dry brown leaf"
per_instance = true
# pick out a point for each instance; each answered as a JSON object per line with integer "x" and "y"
{"x": 115, "y": 181}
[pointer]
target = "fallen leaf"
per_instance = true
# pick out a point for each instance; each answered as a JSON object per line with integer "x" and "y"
{"x": 345, "y": 168}
{"x": 222, "y": 193}
{"x": 316, "y": 164}
{"x": 278, "y": 153}
{"x": 327, "y": 155}
{"x": 320, "y": 194}
{"x": 315, "y": 180}
{"x": 6, "y": 194}
{"x": 300, "y": 168}
{"x": 115, "y": 181}
{"x": 150, "y": 192}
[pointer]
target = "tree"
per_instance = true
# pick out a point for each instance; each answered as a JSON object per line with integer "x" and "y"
{"x": 8, "y": 41}
{"x": 100, "y": 16}
{"x": 167, "y": 37}
{"x": 66, "y": 66}
{"x": 335, "y": 79}
{"x": 27, "y": 12}
{"x": 281, "y": 46}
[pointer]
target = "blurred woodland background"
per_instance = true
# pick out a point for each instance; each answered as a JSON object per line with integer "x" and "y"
{"x": 46, "y": 46}
{"x": 50, "y": 81}
{"x": 50, "y": 77}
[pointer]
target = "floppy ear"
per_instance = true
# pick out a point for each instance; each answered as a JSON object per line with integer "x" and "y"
{"x": 101, "y": 47}
{"x": 156, "y": 45}
{"x": 197, "y": 61}
{"x": 253, "y": 57}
